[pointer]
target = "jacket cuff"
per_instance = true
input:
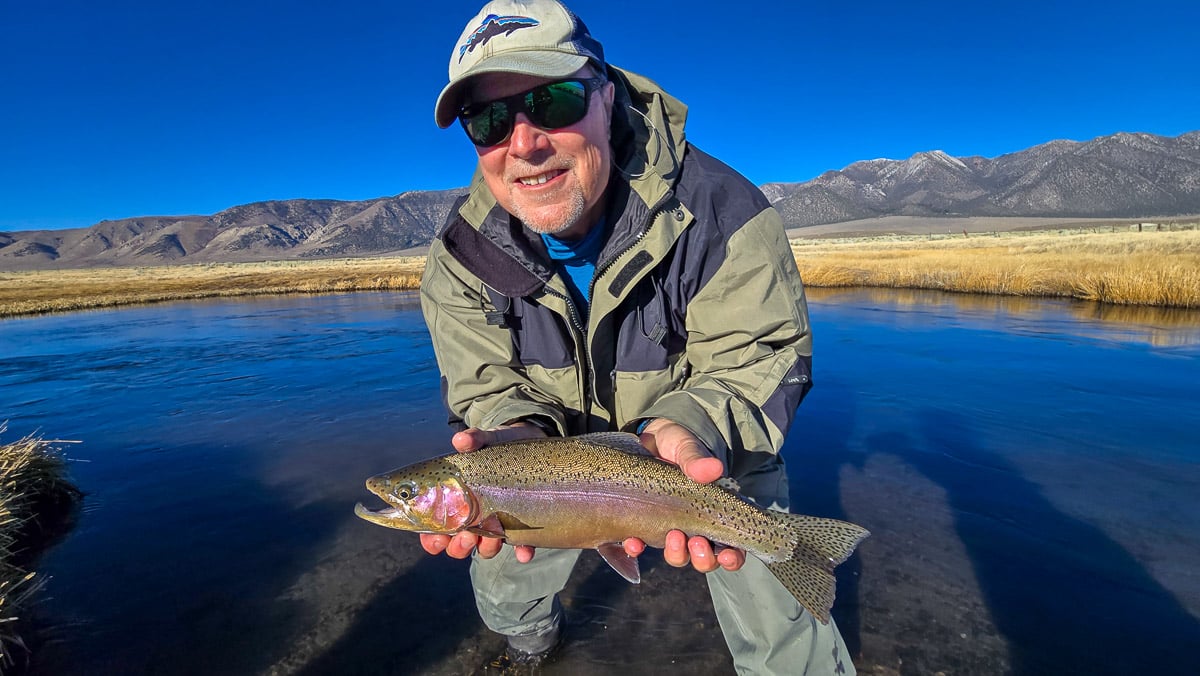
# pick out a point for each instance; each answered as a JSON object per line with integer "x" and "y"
{"x": 542, "y": 422}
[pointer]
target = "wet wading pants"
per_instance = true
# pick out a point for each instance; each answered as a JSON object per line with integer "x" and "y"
{"x": 765, "y": 628}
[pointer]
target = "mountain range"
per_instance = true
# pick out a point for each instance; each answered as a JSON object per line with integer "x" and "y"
{"x": 1119, "y": 176}
{"x": 1125, "y": 175}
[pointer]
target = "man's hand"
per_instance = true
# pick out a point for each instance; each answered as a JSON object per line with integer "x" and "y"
{"x": 676, "y": 444}
{"x": 459, "y": 545}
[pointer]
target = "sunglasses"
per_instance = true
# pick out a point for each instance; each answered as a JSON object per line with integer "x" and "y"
{"x": 550, "y": 106}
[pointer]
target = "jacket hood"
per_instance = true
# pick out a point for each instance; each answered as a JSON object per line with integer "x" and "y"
{"x": 648, "y": 127}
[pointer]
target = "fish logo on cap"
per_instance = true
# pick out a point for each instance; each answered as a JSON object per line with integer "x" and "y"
{"x": 494, "y": 26}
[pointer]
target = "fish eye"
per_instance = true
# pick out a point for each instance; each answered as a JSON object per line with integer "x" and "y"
{"x": 406, "y": 490}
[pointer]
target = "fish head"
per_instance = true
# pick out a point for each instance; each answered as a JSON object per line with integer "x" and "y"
{"x": 428, "y": 497}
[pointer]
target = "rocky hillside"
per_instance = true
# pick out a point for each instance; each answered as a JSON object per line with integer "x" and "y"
{"x": 1118, "y": 176}
{"x": 259, "y": 231}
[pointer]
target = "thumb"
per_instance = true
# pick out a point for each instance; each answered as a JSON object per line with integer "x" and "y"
{"x": 677, "y": 445}
{"x": 474, "y": 438}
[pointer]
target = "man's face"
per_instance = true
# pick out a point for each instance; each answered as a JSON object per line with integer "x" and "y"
{"x": 552, "y": 179}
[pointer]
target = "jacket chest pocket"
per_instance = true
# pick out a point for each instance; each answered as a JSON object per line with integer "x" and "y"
{"x": 539, "y": 337}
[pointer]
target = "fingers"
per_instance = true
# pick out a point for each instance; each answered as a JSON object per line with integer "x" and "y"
{"x": 461, "y": 544}
{"x": 675, "y": 552}
{"x": 729, "y": 558}
{"x": 633, "y": 547}
{"x": 703, "y": 558}
{"x": 489, "y": 547}
{"x": 474, "y": 438}
{"x": 680, "y": 550}
{"x": 434, "y": 544}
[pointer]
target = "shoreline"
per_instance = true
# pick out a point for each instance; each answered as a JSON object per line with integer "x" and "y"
{"x": 1125, "y": 267}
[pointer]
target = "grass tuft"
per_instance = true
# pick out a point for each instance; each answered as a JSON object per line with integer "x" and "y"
{"x": 34, "y": 494}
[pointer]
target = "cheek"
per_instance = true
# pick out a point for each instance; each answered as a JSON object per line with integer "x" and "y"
{"x": 444, "y": 507}
{"x": 454, "y": 508}
{"x": 594, "y": 164}
{"x": 491, "y": 165}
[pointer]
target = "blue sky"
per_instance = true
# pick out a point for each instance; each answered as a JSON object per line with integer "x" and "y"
{"x": 120, "y": 109}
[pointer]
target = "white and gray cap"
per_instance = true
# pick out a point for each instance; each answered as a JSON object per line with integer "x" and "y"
{"x": 532, "y": 37}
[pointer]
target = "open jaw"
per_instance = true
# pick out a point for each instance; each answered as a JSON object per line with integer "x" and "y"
{"x": 388, "y": 516}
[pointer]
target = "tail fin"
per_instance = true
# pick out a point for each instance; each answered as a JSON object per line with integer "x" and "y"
{"x": 819, "y": 545}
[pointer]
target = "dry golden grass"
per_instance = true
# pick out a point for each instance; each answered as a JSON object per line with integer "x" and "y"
{"x": 33, "y": 292}
{"x": 1129, "y": 268}
{"x": 32, "y": 480}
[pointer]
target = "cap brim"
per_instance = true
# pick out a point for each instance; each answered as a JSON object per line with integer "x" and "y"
{"x": 539, "y": 63}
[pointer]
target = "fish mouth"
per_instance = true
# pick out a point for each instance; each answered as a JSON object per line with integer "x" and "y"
{"x": 388, "y": 516}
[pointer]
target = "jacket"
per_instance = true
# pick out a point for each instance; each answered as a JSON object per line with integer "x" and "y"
{"x": 697, "y": 311}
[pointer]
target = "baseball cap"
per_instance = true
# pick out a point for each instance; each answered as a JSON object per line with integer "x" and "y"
{"x": 532, "y": 37}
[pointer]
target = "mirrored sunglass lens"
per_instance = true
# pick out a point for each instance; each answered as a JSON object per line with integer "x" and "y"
{"x": 551, "y": 106}
{"x": 490, "y": 125}
{"x": 557, "y": 105}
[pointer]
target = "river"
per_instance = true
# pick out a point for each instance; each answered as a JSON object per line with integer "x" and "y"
{"x": 1030, "y": 470}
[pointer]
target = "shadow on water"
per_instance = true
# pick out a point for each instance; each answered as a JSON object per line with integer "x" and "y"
{"x": 1066, "y": 597}
{"x": 816, "y": 452}
{"x": 424, "y": 621}
{"x": 415, "y": 624}
{"x": 136, "y": 590}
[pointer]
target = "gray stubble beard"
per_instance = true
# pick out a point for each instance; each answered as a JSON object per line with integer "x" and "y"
{"x": 574, "y": 213}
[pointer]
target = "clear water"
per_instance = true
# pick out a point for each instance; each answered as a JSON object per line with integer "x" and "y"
{"x": 1030, "y": 470}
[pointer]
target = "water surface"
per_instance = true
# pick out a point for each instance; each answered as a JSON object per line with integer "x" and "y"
{"x": 1029, "y": 469}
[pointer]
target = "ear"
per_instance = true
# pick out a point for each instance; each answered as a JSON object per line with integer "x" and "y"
{"x": 608, "y": 92}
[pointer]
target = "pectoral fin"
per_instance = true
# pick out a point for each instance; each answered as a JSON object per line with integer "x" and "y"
{"x": 625, "y": 565}
{"x": 497, "y": 525}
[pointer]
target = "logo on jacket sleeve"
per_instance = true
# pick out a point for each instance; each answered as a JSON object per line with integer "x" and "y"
{"x": 494, "y": 26}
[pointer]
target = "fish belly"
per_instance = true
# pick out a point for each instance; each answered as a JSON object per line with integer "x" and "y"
{"x": 583, "y": 517}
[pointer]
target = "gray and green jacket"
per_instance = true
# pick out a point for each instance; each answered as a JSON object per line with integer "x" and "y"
{"x": 697, "y": 311}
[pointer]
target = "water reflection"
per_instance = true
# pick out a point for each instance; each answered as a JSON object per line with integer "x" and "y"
{"x": 1155, "y": 326}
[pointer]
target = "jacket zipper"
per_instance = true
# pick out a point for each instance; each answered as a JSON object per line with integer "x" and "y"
{"x": 647, "y": 224}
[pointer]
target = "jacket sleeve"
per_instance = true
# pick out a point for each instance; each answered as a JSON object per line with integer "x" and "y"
{"x": 482, "y": 382}
{"x": 749, "y": 346}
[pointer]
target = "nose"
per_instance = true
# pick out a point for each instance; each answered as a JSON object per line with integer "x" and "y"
{"x": 527, "y": 138}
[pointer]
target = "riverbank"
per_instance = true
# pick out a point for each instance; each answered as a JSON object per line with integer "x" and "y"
{"x": 1154, "y": 268}
{"x": 40, "y": 291}
{"x": 34, "y": 492}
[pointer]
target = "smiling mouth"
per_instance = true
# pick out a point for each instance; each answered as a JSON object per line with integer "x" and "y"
{"x": 540, "y": 178}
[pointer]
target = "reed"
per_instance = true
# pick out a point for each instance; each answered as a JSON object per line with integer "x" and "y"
{"x": 1128, "y": 268}
{"x": 33, "y": 489}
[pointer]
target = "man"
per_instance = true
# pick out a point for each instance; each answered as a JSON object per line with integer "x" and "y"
{"x": 604, "y": 274}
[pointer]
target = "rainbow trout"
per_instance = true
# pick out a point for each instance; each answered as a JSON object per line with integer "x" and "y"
{"x": 596, "y": 490}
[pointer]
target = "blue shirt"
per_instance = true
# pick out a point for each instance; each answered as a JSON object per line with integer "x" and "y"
{"x": 577, "y": 261}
